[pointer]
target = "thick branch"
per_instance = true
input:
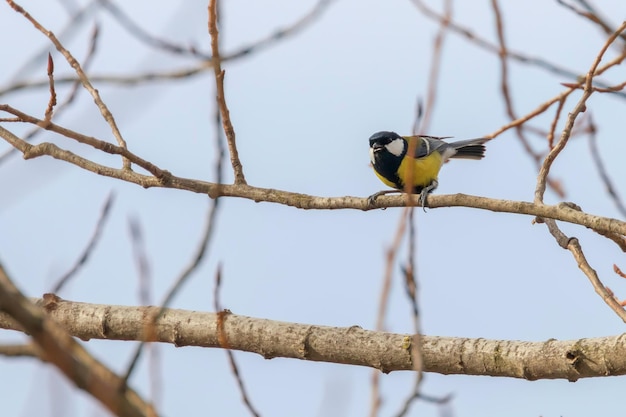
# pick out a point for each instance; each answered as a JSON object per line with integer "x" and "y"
{"x": 387, "y": 352}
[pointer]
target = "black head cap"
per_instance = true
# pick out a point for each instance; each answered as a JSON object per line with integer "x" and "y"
{"x": 382, "y": 138}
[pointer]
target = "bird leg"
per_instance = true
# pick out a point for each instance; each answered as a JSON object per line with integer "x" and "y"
{"x": 372, "y": 199}
{"x": 425, "y": 192}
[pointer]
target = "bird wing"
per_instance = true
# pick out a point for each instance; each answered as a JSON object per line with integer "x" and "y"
{"x": 427, "y": 145}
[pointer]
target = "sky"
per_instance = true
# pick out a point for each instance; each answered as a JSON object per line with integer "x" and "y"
{"x": 303, "y": 110}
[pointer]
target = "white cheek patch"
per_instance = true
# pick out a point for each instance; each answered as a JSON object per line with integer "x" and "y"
{"x": 372, "y": 156}
{"x": 396, "y": 147}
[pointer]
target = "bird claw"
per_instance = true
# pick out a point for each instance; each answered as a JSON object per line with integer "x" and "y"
{"x": 371, "y": 200}
{"x": 424, "y": 193}
{"x": 422, "y": 199}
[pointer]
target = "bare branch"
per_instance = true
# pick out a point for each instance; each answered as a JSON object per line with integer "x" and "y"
{"x": 552, "y": 359}
{"x": 572, "y": 244}
{"x": 310, "y": 202}
{"x": 571, "y": 119}
{"x": 104, "y": 110}
{"x": 31, "y": 151}
{"x": 221, "y": 99}
{"x": 66, "y": 103}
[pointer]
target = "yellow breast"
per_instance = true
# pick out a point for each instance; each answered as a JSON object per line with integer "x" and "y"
{"x": 420, "y": 172}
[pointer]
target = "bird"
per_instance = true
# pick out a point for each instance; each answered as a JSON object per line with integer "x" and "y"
{"x": 395, "y": 158}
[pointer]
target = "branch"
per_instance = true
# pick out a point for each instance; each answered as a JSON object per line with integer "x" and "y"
{"x": 104, "y": 110}
{"x": 229, "y": 130}
{"x": 310, "y": 202}
{"x": 571, "y": 119}
{"x": 552, "y": 359}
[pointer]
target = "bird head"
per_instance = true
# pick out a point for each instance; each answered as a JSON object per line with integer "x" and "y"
{"x": 388, "y": 141}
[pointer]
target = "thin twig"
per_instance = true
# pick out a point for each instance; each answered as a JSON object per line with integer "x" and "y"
{"x": 560, "y": 97}
{"x": 555, "y": 121}
{"x": 75, "y": 20}
{"x": 104, "y": 110}
{"x": 572, "y": 244}
{"x": 592, "y": 15}
{"x": 221, "y": 99}
{"x": 84, "y": 139}
{"x": 571, "y": 119}
{"x": 68, "y": 100}
{"x": 89, "y": 248}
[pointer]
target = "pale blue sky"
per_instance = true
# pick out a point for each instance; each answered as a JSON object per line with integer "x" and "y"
{"x": 303, "y": 111}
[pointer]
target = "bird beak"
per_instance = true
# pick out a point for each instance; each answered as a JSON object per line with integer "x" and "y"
{"x": 377, "y": 147}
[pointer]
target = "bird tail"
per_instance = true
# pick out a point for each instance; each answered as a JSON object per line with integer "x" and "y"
{"x": 469, "y": 149}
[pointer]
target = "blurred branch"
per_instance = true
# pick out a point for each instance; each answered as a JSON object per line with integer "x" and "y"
{"x": 222, "y": 338}
{"x": 493, "y": 48}
{"x": 422, "y": 122}
{"x": 411, "y": 286}
{"x": 62, "y": 350}
{"x": 383, "y": 301}
{"x": 142, "y": 35}
{"x": 183, "y": 73}
{"x": 142, "y": 263}
{"x": 604, "y": 176}
{"x": 590, "y": 13}
{"x": 84, "y": 256}
{"x": 280, "y": 34}
{"x": 552, "y": 359}
{"x": 29, "y": 350}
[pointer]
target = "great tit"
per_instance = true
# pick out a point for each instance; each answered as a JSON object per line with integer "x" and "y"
{"x": 393, "y": 164}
